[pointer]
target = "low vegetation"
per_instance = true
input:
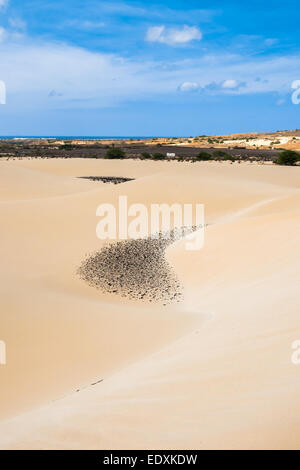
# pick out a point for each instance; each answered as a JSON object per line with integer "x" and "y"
{"x": 68, "y": 147}
{"x": 146, "y": 155}
{"x": 288, "y": 157}
{"x": 115, "y": 153}
{"x": 203, "y": 156}
{"x": 221, "y": 155}
{"x": 158, "y": 156}
{"x": 148, "y": 150}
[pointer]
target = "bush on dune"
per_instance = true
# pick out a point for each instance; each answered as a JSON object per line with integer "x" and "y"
{"x": 221, "y": 155}
{"x": 158, "y": 156}
{"x": 67, "y": 147}
{"x": 203, "y": 156}
{"x": 115, "y": 153}
{"x": 146, "y": 155}
{"x": 288, "y": 157}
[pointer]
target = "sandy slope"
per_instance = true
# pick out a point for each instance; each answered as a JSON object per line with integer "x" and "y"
{"x": 214, "y": 372}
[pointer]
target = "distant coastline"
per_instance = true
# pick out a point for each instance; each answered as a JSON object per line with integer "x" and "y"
{"x": 74, "y": 137}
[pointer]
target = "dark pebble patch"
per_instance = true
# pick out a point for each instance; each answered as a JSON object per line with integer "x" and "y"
{"x": 108, "y": 179}
{"x": 136, "y": 269}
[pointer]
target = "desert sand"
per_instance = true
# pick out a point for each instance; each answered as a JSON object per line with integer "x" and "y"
{"x": 92, "y": 370}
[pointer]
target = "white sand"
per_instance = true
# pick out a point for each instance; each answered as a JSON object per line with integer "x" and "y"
{"x": 212, "y": 372}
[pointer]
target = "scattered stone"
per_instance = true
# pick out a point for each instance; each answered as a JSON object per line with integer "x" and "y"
{"x": 136, "y": 269}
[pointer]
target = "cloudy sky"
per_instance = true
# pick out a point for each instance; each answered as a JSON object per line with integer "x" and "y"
{"x": 93, "y": 67}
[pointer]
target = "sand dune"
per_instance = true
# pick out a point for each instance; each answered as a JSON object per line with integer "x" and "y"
{"x": 213, "y": 371}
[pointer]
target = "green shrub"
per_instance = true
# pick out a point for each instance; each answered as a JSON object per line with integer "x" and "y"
{"x": 203, "y": 156}
{"x": 288, "y": 157}
{"x": 221, "y": 155}
{"x": 115, "y": 153}
{"x": 146, "y": 155}
{"x": 158, "y": 156}
{"x": 68, "y": 147}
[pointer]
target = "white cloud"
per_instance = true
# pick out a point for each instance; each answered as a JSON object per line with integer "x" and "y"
{"x": 158, "y": 12}
{"x": 83, "y": 78}
{"x": 270, "y": 41}
{"x": 84, "y": 25}
{"x": 3, "y": 34}
{"x": 76, "y": 77}
{"x": 4, "y": 3}
{"x": 173, "y": 36}
{"x": 54, "y": 93}
{"x": 17, "y": 23}
{"x": 230, "y": 84}
{"x": 155, "y": 33}
{"x": 188, "y": 87}
{"x": 10, "y": 35}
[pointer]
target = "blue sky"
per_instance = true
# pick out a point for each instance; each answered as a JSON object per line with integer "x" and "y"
{"x": 148, "y": 68}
